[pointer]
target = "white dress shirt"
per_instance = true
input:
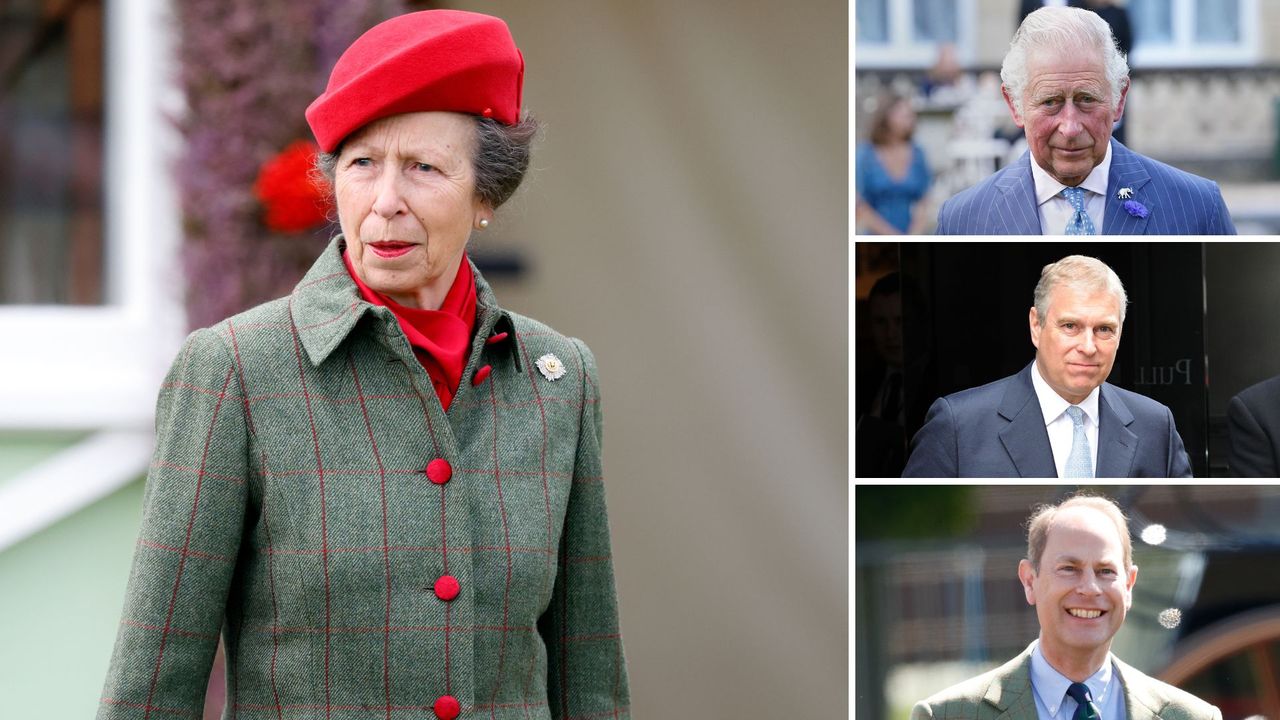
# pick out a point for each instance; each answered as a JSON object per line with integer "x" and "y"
{"x": 1056, "y": 210}
{"x": 1058, "y": 424}
{"x": 1050, "y": 690}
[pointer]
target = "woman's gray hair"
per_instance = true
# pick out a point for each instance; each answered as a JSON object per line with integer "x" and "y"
{"x": 1064, "y": 30}
{"x": 1080, "y": 273}
{"x": 501, "y": 158}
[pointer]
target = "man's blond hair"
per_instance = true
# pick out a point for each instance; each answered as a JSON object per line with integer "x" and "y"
{"x": 1040, "y": 522}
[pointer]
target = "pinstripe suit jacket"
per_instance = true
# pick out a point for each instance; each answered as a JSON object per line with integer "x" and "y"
{"x": 1005, "y": 694}
{"x": 1178, "y": 202}
{"x": 288, "y": 505}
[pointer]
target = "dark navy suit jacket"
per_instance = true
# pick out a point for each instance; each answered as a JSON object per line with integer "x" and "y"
{"x": 1253, "y": 429}
{"x": 1177, "y": 202}
{"x": 998, "y": 430}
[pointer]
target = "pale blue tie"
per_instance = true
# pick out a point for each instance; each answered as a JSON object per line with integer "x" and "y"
{"x": 1079, "y": 464}
{"x": 1080, "y": 223}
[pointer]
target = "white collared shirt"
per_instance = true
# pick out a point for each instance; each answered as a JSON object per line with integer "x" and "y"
{"x": 1058, "y": 424}
{"x": 1050, "y": 690}
{"x": 1056, "y": 210}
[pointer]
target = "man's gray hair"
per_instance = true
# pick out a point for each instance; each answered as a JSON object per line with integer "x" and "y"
{"x": 1081, "y": 273}
{"x": 1064, "y": 30}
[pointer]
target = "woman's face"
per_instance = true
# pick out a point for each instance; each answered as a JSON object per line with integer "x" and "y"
{"x": 902, "y": 119}
{"x": 406, "y": 201}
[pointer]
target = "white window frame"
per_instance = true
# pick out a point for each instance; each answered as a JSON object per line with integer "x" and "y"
{"x": 904, "y": 52}
{"x": 100, "y": 367}
{"x": 1184, "y": 51}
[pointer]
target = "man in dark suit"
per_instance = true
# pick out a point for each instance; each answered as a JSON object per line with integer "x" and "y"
{"x": 1065, "y": 84}
{"x": 1058, "y": 417}
{"x": 1253, "y": 430}
{"x": 1079, "y": 575}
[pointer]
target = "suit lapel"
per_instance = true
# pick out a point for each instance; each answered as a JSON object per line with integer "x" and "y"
{"x": 1139, "y": 703}
{"x": 1014, "y": 208}
{"x": 1126, "y": 172}
{"x": 1010, "y": 691}
{"x": 1117, "y": 444}
{"x": 1025, "y": 437}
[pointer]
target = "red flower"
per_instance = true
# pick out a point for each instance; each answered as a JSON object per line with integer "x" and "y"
{"x": 294, "y": 200}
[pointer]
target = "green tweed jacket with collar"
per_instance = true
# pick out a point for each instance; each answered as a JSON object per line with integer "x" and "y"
{"x": 308, "y": 494}
{"x": 1005, "y": 694}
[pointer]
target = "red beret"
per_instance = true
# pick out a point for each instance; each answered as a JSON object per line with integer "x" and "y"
{"x": 430, "y": 60}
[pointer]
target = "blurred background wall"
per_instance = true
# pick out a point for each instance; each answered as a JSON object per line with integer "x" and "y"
{"x": 686, "y": 216}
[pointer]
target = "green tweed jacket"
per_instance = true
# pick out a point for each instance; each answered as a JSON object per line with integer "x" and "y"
{"x": 311, "y": 500}
{"x": 1005, "y": 694}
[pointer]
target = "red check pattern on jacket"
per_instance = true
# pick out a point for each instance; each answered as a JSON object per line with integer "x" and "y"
{"x": 288, "y": 505}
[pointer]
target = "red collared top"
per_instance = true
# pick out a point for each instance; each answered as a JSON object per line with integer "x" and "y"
{"x": 440, "y": 338}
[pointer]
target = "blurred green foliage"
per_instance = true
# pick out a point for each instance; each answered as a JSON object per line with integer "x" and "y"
{"x": 914, "y": 511}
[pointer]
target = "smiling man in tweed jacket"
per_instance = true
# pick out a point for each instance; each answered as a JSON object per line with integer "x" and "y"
{"x": 365, "y": 551}
{"x": 1079, "y": 575}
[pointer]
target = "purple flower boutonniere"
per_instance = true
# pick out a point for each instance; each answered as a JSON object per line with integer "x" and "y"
{"x": 1136, "y": 209}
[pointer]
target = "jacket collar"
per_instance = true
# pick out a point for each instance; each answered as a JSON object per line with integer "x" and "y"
{"x": 326, "y": 307}
{"x": 1010, "y": 691}
{"x": 1027, "y": 441}
{"x": 1025, "y": 437}
{"x": 1017, "y": 191}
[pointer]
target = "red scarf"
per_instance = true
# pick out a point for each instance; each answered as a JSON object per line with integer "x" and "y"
{"x": 440, "y": 338}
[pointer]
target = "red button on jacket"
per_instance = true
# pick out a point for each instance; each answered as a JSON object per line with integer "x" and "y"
{"x": 439, "y": 471}
{"x": 447, "y": 587}
{"x": 447, "y": 707}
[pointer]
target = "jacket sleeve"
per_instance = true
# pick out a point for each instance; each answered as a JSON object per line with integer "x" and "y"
{"x": 586, "y": 671}
{"x": 922, "y": 711}
{"x": 1179, "y": 463}
{"x": 1222, "y": 224}
{"x": 194, "y": 507}
{"x": 934, "y": 449}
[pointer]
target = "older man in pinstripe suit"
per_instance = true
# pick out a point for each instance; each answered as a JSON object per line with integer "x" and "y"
{"x": 1065, "y": 83}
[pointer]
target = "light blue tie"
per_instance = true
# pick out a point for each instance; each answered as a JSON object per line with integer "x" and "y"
{"x": 1080, "y": 223}
{"x": 1079, "y": 465}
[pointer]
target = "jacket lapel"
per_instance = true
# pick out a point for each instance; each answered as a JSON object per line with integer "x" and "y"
{"x": 1010, "y": 690}
{"x": 1025, "y": 437}
{"x": 1126, "y": 172}
{"x": 1139, "y": 702}
{"x": 1014, "y": 209}
{"x": 326, "y": 304}
{"x": 1117, "y": 444}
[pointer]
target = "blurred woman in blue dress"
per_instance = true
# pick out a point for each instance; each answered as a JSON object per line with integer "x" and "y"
{"x": 892, "y": 174}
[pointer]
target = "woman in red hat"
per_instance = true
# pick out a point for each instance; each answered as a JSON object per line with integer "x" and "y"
{"x": 384, "y": 490}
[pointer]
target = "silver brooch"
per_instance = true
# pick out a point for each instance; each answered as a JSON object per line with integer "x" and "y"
{"x": 550, "y": 367}
{"x": 1125, "y": 193}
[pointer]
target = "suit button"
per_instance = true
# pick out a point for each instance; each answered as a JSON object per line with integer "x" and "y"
{"x": 447, "y": 587}
{"x": 439, "y": 471}
{"x": 447, "y": 707}
{"x": 482, "y": 374}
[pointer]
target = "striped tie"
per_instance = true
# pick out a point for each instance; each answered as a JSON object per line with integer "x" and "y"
{"x": 1085, "y": 709}
{"x": 1080, "y": 223}
{"x": 1079, "y": 465}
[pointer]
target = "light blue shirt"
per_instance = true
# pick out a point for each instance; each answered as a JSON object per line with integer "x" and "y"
{"x": 1050, "y": 690}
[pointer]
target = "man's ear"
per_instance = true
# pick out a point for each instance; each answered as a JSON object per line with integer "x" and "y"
{"x": 1027, "y": 575}
{"x": 1128, "y": 585}
{"x": 1124, "y": 93}
{"x": 1034, "y": 319}
{"x": 1013, "y": 105}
